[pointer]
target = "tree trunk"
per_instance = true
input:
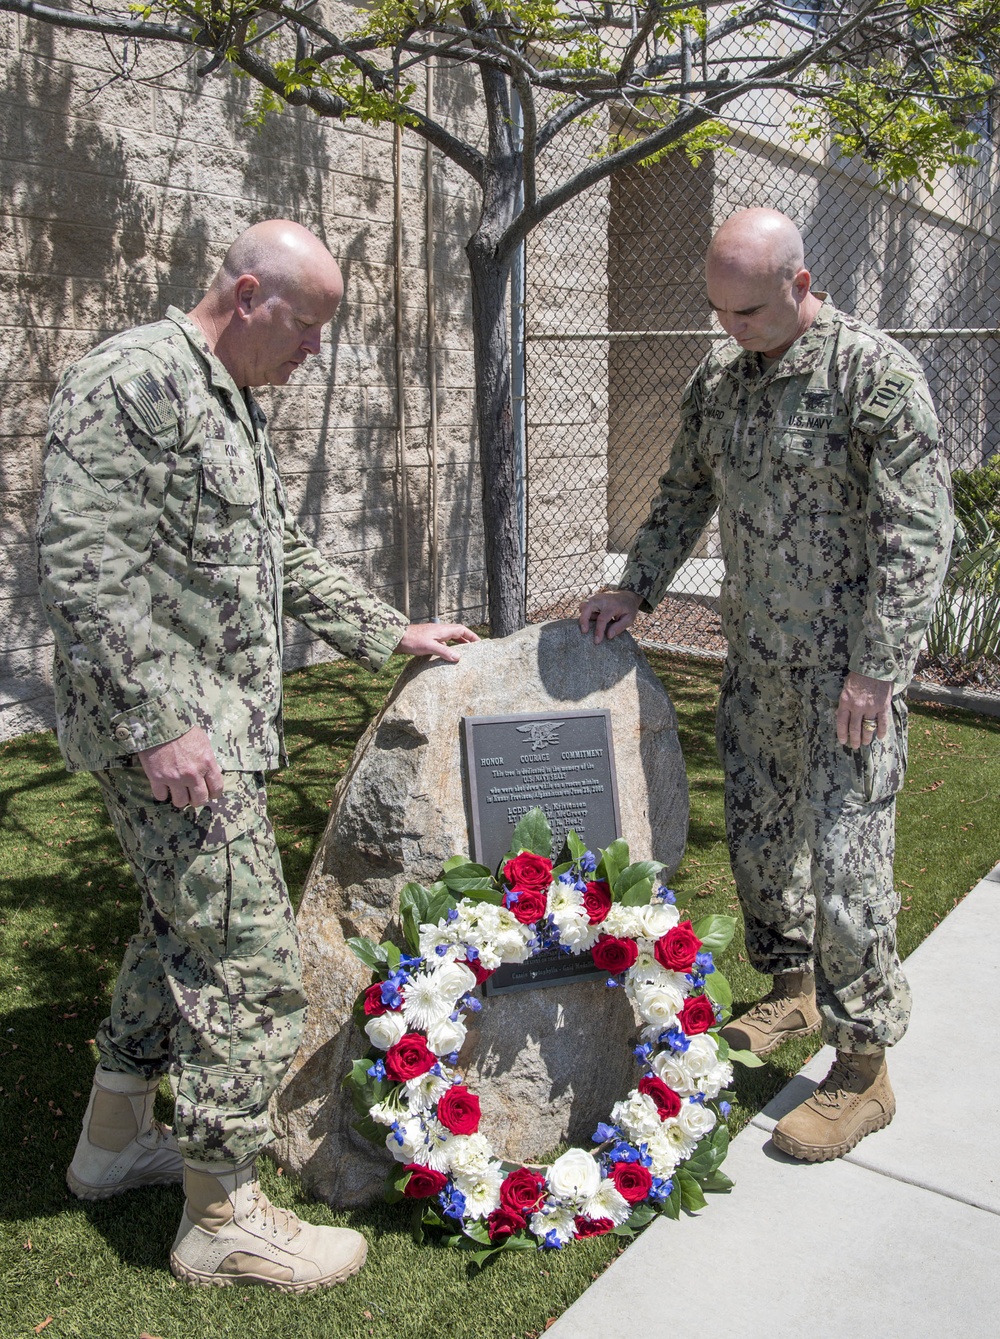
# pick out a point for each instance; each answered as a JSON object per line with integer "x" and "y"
{"x": 498, "y": 460}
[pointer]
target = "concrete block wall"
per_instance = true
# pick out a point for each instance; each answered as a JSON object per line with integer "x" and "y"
{"x": 119, "y": 197}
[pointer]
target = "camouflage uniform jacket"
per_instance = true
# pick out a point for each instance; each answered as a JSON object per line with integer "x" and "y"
{"x": 833, "y": 496}
{"x": 167, "y": 556}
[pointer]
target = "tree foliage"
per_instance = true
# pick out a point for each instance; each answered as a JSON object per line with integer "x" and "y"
{"x": 903, "y": 84}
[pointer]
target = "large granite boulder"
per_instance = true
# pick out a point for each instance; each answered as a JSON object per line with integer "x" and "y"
{"x": 546, "y": 1063}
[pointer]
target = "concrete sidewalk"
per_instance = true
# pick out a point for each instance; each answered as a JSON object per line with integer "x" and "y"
{"x": 900, "y": 1239}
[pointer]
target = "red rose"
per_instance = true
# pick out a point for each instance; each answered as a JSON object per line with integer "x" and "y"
{"x": 374, "y": 1008}
{"x": 677, "y": 949}
{"x": 597, "y": 901}
{"x": 475, "y": 966}
{"x": 528, "y": 905}
{"x": 668, "y": 1103}
{"x": 423, "y": 1182}
{"x": 592, "y": 1227}
{"x": 698, "y": 1015}
{"x": 409, "y": 1057}
{"x": 632, "y": 1181}
{"x": 522, "y": 1191}
{"x": 615, "y": 955}
{"x": 528, "y": 872}
{"x": 503, "y": 1223}
{"x": 458, "y": 1110}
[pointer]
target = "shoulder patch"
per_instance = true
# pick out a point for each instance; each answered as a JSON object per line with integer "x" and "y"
{"x": 889, "y": 393}
{"x": 146, "y": 402}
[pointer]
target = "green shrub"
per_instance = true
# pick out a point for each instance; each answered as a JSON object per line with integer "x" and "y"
{"x": 966, "y": 623}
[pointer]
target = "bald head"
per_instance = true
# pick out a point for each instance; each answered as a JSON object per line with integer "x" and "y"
{"x": 277, "y": 287}
{"x": 757, "y": 282}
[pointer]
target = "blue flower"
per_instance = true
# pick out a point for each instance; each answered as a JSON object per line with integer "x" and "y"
{"x": 645, "y": 1157}
{"x": 454, "y": 1016}
{"x": 397, "y": 1132}
{"x": 452, "y": 1201}
{"x": 390, "y": 992}
{"x": 511, "y": 896}
{"x": 472, "y": 953}
{"x": 676, "y": 1039}
{"x": 377, "y": 1071}
{"x": 725, "y": 1108}
{"x": 667, "y": 895}
{"x": 623, "y": 1152}
{"x": 470, "y": 1002}
{"x": 408, "y": 963}
{"x": 611, "y": 982}
{"x": 441, "y": 950}
{"x": 660, "y": 1189}
{"x": 580, "y": 886}
{"x": 704, "y": 963}
{"x": 588, "y": 862}
{"x": 453, "y": 1058}
{"x": 604, "y": 1132}
{"x": 567, "y": 877}
{"x": 452, "y": 914}
{"x": 697, "y": 1099}
{"x": 643, "y": 1052}
{"x": 552, "y": 1242}
{"x": 437, "y": 1070}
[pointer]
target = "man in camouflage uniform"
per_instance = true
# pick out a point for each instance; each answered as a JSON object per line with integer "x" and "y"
{"x": 814, "y": 437}
{"x": 167, "y": 556}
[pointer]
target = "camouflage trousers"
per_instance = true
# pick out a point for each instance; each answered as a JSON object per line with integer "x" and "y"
{"x": 211, "y": 986}
{"x": 811, "y": 830}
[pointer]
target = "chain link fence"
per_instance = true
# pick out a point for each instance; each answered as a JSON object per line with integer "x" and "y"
{"x": 617, "y": 320}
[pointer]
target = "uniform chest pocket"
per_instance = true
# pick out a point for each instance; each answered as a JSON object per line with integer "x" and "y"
{"x": 812, "y": 470}
{"x": 228, "y": 528}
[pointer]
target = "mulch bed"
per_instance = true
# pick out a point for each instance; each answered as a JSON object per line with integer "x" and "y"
{"x": 691, "y": 622}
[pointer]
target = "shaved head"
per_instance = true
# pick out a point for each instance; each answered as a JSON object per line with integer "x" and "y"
{"x": 277, "y": 287}
{"x": 758, "y": 285}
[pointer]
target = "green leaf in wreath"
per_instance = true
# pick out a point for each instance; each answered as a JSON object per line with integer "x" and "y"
{"x": 480, "y": 1257}
{"x": 533, "y": 834}
{"x": 717, "y": 1184}
{"x": 439, "y": 907}
{"x": 416, "y": 1223}
{"x": 372, "y": 955}
{"x": 641, "y": 1215}
{"x": 370, "y": 1130}
{"x": 395, "y": 1183}
{"x": 639, "y": 873}
{"x": 717, "y": 988}
{"x": 359, "y": 1073}
{"x": 672, "y": 1204}
{"x": 623, "y": 1230}
{"x": 613, "y": 860}
{"x": 691, "y": 1194}
{"x": 638, "y": 894}
{"x": 715, "y": 932}
{"x": 746, "y": 1058}
{"x": 392, "y": 956}
{"x": 491, "y": 894}
{"x": 477, "y": 1232}
{"x": 577, "y": 848}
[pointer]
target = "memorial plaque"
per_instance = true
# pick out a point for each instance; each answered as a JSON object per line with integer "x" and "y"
{"x": 559, "y": 762}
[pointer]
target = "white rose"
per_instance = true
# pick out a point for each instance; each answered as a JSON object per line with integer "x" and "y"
{"x": 637, "y": 1115}
{"x": 414, "y": 1138}
{"x": 385, "y": 1030}
{"x": 576, "y": 931}
{"x": 696, "y": 1120}
{"x": 658, "y": 1005}
{"x": 454, "y": 979}
{"x": 702, "y": 1053}
{"x": 512, "y": 944}
{"x": 574, "y": 1176}
{"x": 657, "y": 918}
{"x": 670, "y": 1067}
{"x": 446, "y": 1035}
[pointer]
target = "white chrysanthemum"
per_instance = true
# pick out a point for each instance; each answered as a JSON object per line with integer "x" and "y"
{"x": 563, "y": 897}
{"x": 637, "y": 1115}
{"x": 648, "y": 972}
{"x": 684, "y": 1143}
{"x": 424, "y": 1002}
{"x": 575, "y": 1176}
{"x": 424, "y": 1092}
{"x": 670, "y": 1067}
{"x": 658, "y": 1005}
{"x": 385, "y": 1030}
{"x": 481, "y": 1190}
{"x": 657, "y": 918}
{"x": 696, "y": 1120}
{"x": 454, "y": 979}
{"x": 469, "y": 1154}
{"x": 607, "y": 1202}
{"x": 663, "y": 1154}
{"x": 622, "y": 922}
{"x": 489, "y": 958}
{"x": 434, "y": 1152}
{"x": 446, "y": 1035}
{"x": 382, "y": 1114}
{"x": 560, "y": 1221}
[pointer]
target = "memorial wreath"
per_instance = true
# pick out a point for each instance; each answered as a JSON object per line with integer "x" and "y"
{"x": 665, "y": 1142}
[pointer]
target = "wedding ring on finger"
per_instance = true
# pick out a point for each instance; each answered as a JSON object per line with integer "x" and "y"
{"x": 869, "y": 723}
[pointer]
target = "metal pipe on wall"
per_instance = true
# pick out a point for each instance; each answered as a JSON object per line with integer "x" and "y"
{"x": 431, "y": 344}
{"x": 404, "y": 475}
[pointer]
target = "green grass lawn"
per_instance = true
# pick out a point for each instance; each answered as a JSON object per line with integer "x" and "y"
{"x": 67, "y": 906}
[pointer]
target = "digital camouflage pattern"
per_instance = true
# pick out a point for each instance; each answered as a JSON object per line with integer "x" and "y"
{"x": 811, "y": 836}
{"x": 835, "y": 515}
{"x": 167, "y": 556}
{"x": 835, "y": 523}
{"x": 211, "y": 983}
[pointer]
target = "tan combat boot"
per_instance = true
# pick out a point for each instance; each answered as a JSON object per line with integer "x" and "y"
{"x": 853, "y": 1100}
{"x": 231, "y": 1233}
{"x": 788, "y": 1011}
{"x": 120, "y": 1145}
